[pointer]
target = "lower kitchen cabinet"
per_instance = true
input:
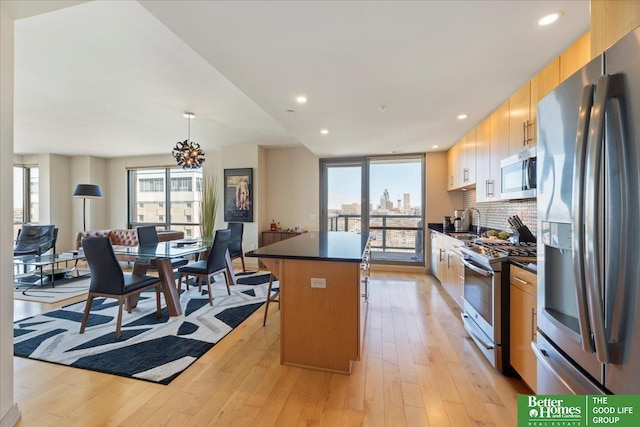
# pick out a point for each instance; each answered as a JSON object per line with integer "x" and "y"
{"x": 523, "y": 306}
{"x": 446, "y": 264}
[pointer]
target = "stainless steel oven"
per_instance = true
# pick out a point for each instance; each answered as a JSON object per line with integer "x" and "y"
{"x": 486, "y": 295}
{"x": 482, "y": 308}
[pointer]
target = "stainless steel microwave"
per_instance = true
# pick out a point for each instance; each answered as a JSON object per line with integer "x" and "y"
{"x": 518, "y": 176}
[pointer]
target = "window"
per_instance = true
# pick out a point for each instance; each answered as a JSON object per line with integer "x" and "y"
{"x": 25, "y": 196}
{"x": 160, "y": 196}
{"x": 148, "y": 185}
{"x": 182, "y": 184}
{"x": 381, "y": 196}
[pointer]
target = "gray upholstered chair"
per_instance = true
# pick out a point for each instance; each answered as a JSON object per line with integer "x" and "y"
{"x": 35, "y": 240}
{"x": 235, "y": 242}
{"x": 148, "y": 235}
{"x": 214, "y": 264}
{"x": 108, "y": 280}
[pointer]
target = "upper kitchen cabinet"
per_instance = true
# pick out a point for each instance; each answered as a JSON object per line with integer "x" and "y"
{"x": 521, "y": 130}
{"x": 469, "y": 159}
{"x": 610, "y": 20}
{"x": 499, "y": 148}
{"x": 575, "y": 57}
{"x": 483, "y": 161}
{"x": 453, "y": 167}
{"x": 461, "y": 163}
{"x": 544, "y": 82}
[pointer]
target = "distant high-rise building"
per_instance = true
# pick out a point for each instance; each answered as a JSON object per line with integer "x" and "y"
{"x": 407, "y": 202}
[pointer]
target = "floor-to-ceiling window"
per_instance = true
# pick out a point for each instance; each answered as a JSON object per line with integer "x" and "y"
{"x": 25, "y": 196}
{"x": 382, "y": 196}
{"x": 166, "y": 198}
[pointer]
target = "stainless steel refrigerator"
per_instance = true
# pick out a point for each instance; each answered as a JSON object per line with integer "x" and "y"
{"x": 588, "y": 318}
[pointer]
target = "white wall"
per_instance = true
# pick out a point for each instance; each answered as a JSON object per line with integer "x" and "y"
{"x": 293, "y": 188}
{"x": 245, "y": 156}
{"x": 9, "y": 412}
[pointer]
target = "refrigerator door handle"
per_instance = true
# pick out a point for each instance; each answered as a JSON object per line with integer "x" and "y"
{"x": 593, "y": 234}
{"x": 618, "y": 286}
{"x": 578, "y": 217}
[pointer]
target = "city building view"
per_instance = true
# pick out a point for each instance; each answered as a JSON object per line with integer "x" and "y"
{"x": 175, "y": 206}
{"x": 394, "y": 211}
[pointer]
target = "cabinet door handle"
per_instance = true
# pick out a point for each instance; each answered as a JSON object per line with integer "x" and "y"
{"x": 533, "y": 324}
{"x": 448, "y": 261}
{"x": 519, "y": 280}
{"x": 440, "y": 259}
{"x": 525, "y": 128}
{"x": 491, "y": 182}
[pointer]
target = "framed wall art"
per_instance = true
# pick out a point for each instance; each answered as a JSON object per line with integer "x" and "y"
{"x": 238, "y": 195}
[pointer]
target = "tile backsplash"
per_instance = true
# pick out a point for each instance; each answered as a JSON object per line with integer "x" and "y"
{"x": 495, "y": 214}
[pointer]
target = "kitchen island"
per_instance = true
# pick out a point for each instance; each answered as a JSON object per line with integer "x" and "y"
{"x": 322, "y": 316}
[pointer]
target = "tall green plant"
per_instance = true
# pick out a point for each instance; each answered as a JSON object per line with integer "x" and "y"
{"x": 209, "y": 205}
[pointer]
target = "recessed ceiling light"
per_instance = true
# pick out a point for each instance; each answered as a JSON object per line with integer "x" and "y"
{"x": 301, "y": 99}
{"x": 383, "y": 108}
{"x": 462, "y": 116}
{"x": 435, "y": 146}
{"x": 549, "y": 19}
{"x": 324, "y": 131}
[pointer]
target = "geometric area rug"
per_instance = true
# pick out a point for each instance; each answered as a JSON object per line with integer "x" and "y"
{"x": 150, "y": 348}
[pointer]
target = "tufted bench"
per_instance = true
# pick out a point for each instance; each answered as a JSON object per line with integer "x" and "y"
{"x": 125, "y": 237}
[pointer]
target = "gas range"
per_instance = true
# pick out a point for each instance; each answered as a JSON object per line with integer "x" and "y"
{"x": 492, "y": 254}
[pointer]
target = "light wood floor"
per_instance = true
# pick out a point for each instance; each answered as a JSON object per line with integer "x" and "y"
{"x": 418, "y": 368}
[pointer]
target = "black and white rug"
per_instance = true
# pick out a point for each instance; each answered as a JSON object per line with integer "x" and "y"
{"x": 149, "y": 348}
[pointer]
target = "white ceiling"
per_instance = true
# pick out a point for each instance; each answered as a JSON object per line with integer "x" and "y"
{"x": 112, "y": 78}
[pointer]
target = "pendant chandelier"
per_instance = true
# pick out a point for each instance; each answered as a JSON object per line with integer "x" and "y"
{"x": 187, "y": 153}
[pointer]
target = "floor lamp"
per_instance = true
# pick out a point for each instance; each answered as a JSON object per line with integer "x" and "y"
{"x": 87, "y": 191}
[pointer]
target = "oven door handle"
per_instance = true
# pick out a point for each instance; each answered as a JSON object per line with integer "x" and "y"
{"x": 469, "y": 327}
{"x": 477, "y": 269}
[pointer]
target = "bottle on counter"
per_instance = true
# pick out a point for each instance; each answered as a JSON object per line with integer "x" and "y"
{"x": 274, "y": 226}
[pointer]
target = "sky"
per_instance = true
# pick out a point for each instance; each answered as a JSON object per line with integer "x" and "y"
{"x": 398, "y": 178}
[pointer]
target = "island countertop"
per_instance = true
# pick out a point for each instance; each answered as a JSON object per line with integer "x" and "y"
{"x": 317, "y": 246}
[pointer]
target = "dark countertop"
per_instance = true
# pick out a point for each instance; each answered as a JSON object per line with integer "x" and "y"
{"x": 317, "y": 246}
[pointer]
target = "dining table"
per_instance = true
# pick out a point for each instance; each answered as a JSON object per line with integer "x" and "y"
{"x": 160, "y": 255}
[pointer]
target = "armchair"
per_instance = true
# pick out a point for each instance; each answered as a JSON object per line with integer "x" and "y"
{"x": 35, "y": 240}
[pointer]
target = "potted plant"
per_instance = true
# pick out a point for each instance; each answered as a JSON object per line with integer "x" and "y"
{"x": 208, "y": 205}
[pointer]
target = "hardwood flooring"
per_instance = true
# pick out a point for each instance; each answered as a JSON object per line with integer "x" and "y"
{"x": 418, "y": 368}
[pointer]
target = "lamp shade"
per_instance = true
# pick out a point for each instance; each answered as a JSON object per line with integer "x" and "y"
{"x": 88, "y": 191}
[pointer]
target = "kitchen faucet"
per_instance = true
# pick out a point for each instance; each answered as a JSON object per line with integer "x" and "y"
{"x": 479, "y": 217}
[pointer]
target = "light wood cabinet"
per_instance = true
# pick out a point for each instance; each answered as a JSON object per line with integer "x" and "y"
{"x": 521, "y": 127}
{"x": 446, "y": 264}
{"x": 437, "y": 254}
{"x": 453, "y": 167}
{"x": 454, "y": 271}
{"x": 461, "y": 163}
{"x": 544, "y": 82}
{"x": 499, "y": 144}
{"x": 468, "y": 157}
{"x": 610, "y": 21}
{"x": 483, "y": 159}
{"x": 575, "y": 57}
{"x": 523, "y": 306}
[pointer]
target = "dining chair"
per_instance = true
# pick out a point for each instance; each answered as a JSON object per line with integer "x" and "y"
{"x": 235, "y": 242}
{"x": 148, "y": 235}
{"x": 108, "y": 280}
{"x": 214, "y": 264}
{"x": 275, "y": 297}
